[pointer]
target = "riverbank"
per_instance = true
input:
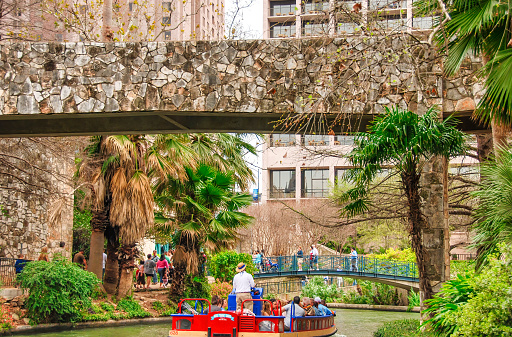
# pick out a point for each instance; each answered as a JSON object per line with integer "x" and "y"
{"x": 395, "y": 308}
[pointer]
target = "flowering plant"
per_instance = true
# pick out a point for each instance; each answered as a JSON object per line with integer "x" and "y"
{"x": 221, "y": 289}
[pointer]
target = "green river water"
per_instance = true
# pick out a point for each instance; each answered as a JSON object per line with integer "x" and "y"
{"x": 350, "y": 323}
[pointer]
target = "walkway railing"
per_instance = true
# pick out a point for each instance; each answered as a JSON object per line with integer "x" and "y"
{"x": 296, "y": 285}
{"x": 7, "y": 272}
{"x": 335, "y": 264}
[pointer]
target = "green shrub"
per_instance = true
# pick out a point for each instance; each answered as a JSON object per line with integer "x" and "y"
{"x": 58, "y": 290}
{"x": 132, "y": 308}
{"x": 373, "y": 293}
{"x": 401, "y": 328}
{"x": 406, "y": 255}
{"x": 158, "y": 306}
{"x": 414, "y": 300}
{"x": 223, "y": 265}
{"x": 196, "y": 287}
{"x": 108, "y": 307}
{"x": 316, "y": 287}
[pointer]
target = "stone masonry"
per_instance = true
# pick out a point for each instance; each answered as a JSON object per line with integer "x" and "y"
{"x": 36, "y": 197}
{"x": 259, "y": 76}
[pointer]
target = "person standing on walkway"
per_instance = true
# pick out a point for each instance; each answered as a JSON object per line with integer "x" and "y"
{"x": 257, "y": 260}
{"x": 149, "y": 270}
{"x": 353, "y": 258}
{"x": 300, "y": 258}
{"x": 162, "y": 266}
{"x": 314, "y": 256}
{"x": 104, "y": 264}
{"x": 242, "y": 284}
{"x": 155, "y": 259}
{"x": 80, "y": 259}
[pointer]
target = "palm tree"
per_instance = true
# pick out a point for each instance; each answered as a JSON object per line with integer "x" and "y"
{"x": 202, "y": 211}
{"x": 119, "y": 169}
{"x": 494, "y": 210}
{"x": 481, "y": 27}
{"x": 403, "y": 140}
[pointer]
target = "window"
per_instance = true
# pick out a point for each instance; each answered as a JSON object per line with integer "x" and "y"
{"x": 347, "y": 27}
{"x": 338, "y": 173}
{"x": 38, "y": 37}
{"x": 266, "y": 326}
{"x": 59, "y": 37}
{"x": 315, "y": 140}
{"x": 316, "y": 6}
{"x": 285, "y": 29}
{"x": 310, "y": 28}
{"x": 315, "y": 183}
{"x": 282, "y": 184}
{"x": 278, "y": 8}
{"x": 166, "y": 20}
{"x": 131, "y": 6}
{"x": 167, "y": 36}
{"x": 83, "y": 9}
{"x": 387, "y": 4}
{"x": 18, "y": 11}
{"x": 426, "y": 22}
{"x": 284, "y": 139}
{"x": 167, "y": 7}
{"x": 344, "y": 140}
{"x": 183, "y": 324}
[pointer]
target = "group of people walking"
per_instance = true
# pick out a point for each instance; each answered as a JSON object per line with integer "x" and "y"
{"x": 155, "y": 269}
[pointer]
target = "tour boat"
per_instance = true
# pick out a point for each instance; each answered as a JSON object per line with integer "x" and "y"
{"x": 201, "y": 323}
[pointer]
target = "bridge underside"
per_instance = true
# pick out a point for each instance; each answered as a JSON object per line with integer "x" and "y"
{"x": 154, "y": 122}
{"x": 395, "y": 281}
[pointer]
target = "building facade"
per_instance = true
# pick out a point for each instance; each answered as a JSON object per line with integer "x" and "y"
{"x": 296, "y": 18}
{"x": 298, "y": 167}
{"x": 79, "y": 20}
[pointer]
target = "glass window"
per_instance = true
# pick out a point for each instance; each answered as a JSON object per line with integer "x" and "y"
{"x": 167, "y": 36}
{"x": 344, "y": 140}
{"x": 183, "y": 324}
{"x": 315, "y": 183}
{"x": 387, "y": 4}
{"x": 266, "y": 326}
{"x": 283, "y": 139}
{"x": 316, "y": 6}
{"x": 284, "y": 29}
{"x": 282, "y": 8}
{"x": 166, "y": 20}
{"x": 167, "y": 7}
{"x": 282, "y": 184}
{"x": 426, "y": 22}
{"x": 316, "y": 140}
{"x": 131, "y": 6}
{"x": 347, "y": 27}
{"x": 310, "y": 28}
{"x": 339, "y": 172}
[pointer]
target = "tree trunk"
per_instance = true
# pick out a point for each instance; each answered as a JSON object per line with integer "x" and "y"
{"x": 111, "y": 278}
{"x": 416, "y": 223}
{"x": 126, "y": 257}
{"x": 107, "y": 34}
{"x": 99, "y": 223}
{"x": 499, "y": 135}
{"x": 484, "y": 143}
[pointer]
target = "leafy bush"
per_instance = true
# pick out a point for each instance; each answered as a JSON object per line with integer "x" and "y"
{"x": 316, "y": 287}
{"x": 401, "y": 328}
{"x": 414, "y": 300}
{"x": 223, "y": 265}
{"x": 108, "y": 307}
{"x": 158, "y": 306}
{"x": 132, "y": 308}
{"x": 406, "y": 255}
{"x": 196, "y": 287}
{"x": 58, "y": 290}
{"x": 372, "y": 293}
{"x": 221, "y": 289}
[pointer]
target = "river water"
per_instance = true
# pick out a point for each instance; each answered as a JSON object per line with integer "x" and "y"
{"x": 350, "y": 323}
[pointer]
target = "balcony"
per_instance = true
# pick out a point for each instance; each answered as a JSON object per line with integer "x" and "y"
{"x": 275, "y": 193}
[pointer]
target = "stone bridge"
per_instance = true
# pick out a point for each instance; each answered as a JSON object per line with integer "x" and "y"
{"x": 59, "y": 89}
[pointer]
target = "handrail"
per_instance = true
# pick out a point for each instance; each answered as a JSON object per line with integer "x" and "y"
{"x": 260, "y": 300}
{"x": 195, "y": 306}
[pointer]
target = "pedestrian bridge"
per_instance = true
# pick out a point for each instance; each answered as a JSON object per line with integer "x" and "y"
{"x": 86, "y": 88}
{"x": 395, "y": 273}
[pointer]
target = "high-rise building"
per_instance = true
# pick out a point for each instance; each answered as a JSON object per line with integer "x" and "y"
{"x": 296, "y": 18}
{"x": 78, "y": 20}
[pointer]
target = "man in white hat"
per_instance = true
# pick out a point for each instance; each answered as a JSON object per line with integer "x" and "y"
{"x": 242, "y": 284}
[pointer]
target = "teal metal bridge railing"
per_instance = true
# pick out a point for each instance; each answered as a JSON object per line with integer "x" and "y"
{"x": 362, "y": 266}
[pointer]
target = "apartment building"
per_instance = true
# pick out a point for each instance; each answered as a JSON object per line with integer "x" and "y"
{"x": 298, "y": 167}
{"x": 132, "y": 20}
{"x": 296, "y": 18}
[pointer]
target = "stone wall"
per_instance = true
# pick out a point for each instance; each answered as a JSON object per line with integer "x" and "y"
{"x": 298, "y": 75}
{"x": 36, "y": 195}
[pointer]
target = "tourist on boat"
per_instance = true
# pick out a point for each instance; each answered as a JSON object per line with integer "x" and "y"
{"x": 215, "y": 304}
{"x": 267, "y": 309}
{"x": 322, "y": 309}
{"x": 287, "y": 310}
{"x": 322, "y": 302}
{"x": 242, "y": 284}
